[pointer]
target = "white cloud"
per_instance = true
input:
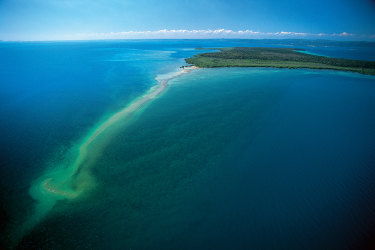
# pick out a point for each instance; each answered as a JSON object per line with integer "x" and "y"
{"x": 206, "y": 34}
{"x": 344, "y": 34}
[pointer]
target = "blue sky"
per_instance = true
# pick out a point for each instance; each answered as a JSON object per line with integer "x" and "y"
{"x": 98, "y": 19}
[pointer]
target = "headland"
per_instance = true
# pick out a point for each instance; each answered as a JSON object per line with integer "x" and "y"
{"x": 277, "y": 58}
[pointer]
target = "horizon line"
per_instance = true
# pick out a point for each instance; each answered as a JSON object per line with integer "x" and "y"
{"x": 129, "y": 39}
{"x": 194, "y": 34}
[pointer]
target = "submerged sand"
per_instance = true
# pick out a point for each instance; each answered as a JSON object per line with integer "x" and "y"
{"x": 73, "y": 178}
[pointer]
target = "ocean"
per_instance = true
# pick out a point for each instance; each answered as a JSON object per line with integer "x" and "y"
{"x": 95, "y": 154}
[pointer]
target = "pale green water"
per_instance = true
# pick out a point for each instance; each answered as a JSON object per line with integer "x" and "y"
{"x": 72, "y": 177}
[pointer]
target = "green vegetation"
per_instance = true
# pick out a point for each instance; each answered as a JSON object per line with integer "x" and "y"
{"x": 277, "y": 58}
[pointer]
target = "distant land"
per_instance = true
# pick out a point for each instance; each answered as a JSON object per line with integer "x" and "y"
{"x": 277, "y": 58}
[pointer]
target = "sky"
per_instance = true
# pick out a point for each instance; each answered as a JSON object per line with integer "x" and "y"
{"x": 29, "y": 20}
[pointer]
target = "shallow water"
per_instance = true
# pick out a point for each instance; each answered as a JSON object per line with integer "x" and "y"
{"x": 224, "y": 158}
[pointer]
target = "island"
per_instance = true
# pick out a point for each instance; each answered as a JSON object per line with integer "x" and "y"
{"x": 277, "y": 58}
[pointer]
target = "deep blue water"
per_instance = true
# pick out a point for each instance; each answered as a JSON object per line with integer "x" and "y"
{"x": 225, "y": 158}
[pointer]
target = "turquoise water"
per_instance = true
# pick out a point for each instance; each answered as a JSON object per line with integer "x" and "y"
{"x": 310, "y": 53}
{"x": 222, "y": 158}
